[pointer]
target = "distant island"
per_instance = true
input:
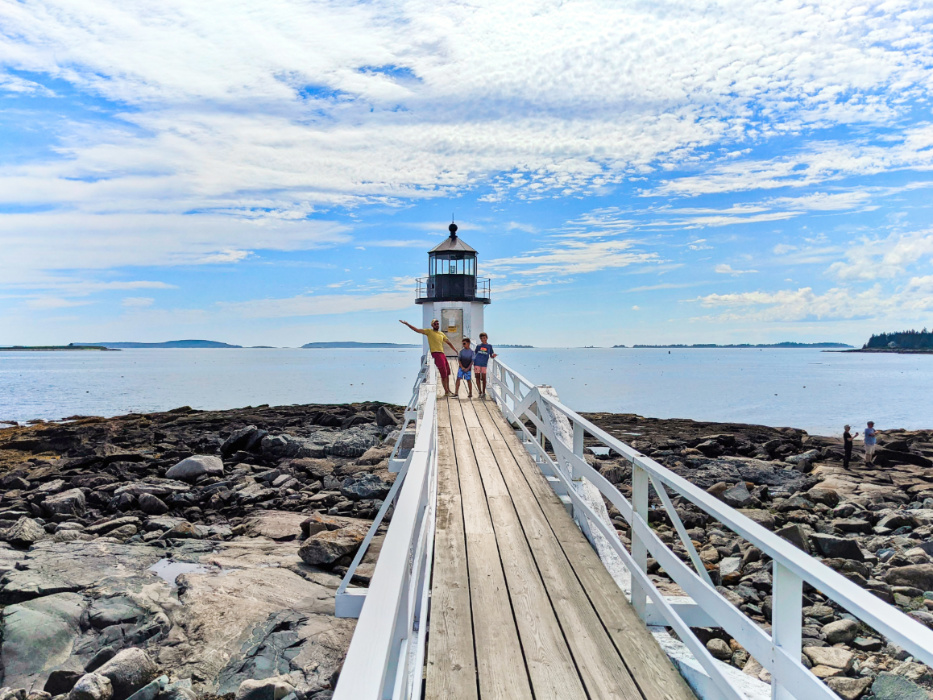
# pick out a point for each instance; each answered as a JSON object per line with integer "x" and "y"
{"x": 167, "y": 344}
{"x": 901, "y": 343}
{"x": 54, "y": 348}
{"x": 349, "y": 344}
{"x": 705, "y": 346}
{"x": 504, "y": 345}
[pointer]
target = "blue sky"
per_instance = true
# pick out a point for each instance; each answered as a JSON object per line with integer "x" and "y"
{"x": 630, "y": 172}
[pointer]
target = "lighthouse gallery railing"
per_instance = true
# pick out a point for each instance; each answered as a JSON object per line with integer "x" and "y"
{"x": 779, "y": 652}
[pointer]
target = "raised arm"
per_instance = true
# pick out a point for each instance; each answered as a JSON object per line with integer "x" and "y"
{"x": 406, "y": 323}
{"x": 447, "y": 340}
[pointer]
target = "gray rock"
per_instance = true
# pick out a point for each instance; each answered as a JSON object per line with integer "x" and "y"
{"x": 274, "y": 688}
{"x": 796, "y": 535}
{"x": 834, "y": 657}
{"x": 92, "y": 686}
{"x": 730, "y": 567}
{"x": 353, "y": 442}
{"x": 819, "y": 494}
{"x": 839, "y": 631}
{"x": 738, "y": 496}
{"x": 192, "y": 468}
{"x": 38, "y": 636}
{"x": 152, "y": 505}
{"x": 246, "y": 439}
{"x": 365, "y": 487}
{"x": 23, "y": 533}
{"x": 917, "y": 575}
{"x": 150, "y": 690}
{"x": 719, "y": 649}
{"x": 849, "y": 688}
{"x": 70, "y": 502}
{"x": 385, "y": 417}
{"x": 837, "y": 547}
{"x": 129, "y": 671}
{"x": 101, "y": 528}
{"x": 113, "y": 611}
{"x": 890, "y": 686}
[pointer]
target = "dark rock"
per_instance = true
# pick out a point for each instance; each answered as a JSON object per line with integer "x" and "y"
{"x": 71, "y": 502}
{"x": 738, "y": 496}
{"x": 248, "y": 439}
{"x": 837, "y": 547}
{"x": 385, "y": 417}
{"x": 886, "y": 458}
{"x": 151, "y": 690}
{"x": 112, "y": 611}
{"x": 61, "y": 681}
{"x": 796, "y": 535}
{"x": 23, "y": 533}
{"x": 365, "y": 487}
{"x": 828, "y": 497}
{"x": 152, "y": 505}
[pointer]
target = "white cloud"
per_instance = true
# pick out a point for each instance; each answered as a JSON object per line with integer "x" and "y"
{"x": 314, "y": 305}
{"x": 570, "y": 257}
{"x": 888, "y": 258}
{"x": 138, "y": 302}
{"x": 46, "y": 303}
{"x": 725, "y": 269}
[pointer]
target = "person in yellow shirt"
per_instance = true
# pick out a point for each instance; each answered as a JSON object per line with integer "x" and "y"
{"x": 436, "y": 340}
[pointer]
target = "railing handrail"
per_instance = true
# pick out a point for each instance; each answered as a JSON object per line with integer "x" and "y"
{"x": 379, "y": 660}
{"x": 775, "y": 652}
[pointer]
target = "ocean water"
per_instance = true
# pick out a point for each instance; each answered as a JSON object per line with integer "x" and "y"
{"x": 809, "y": 389}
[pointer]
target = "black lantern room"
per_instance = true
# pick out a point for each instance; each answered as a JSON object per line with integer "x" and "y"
{"x": 452, "y": 273}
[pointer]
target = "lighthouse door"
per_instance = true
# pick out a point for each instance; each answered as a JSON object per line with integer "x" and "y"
{"x": 452, "y": 326}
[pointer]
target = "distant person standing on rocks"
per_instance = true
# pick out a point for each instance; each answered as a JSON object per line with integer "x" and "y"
{"x": 483, "y": 352}
{"x": 847, "y": 440}
{"x": 466, "y": 358}
{"x": 871, "y": 442}
{"x": 436, "y": 340}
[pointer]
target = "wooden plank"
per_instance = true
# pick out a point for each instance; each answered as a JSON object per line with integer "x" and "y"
{"x": 603, "y": 670}
{"x": 550, "y": 665}
{"x": 451, "y": 664}
{"x": 499, "y": 660}
{"x": 653, "y": 672}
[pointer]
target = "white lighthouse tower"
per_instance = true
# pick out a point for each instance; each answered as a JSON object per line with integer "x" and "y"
{"x": 452, "y": 293}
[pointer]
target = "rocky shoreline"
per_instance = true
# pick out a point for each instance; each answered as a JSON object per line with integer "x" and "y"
{"x": 193, "y": 554}
{"x": 872, "y": 524}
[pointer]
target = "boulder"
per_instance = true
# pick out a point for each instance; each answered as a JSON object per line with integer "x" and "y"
{"x": 113, "y": 611}
{"x": 837, "y": 547}
{"x": 129, "y": 671}
{"x": 247, "y": 439}
{"x": 353, "y": 443}
{"x": 23, "y": 533}
{"x": 759, "y": 516}
{"x": 328, "y": 547}
{"x": 849, "y": 688}
{"x": 274, "y": 688}
{"x": 839, "y": 631}
{"x": 738, "y": 496}
{"x": 884, "y": 457}
{"x": 183, "y": 531}
{"x": 385, "y": 417}
{"x": 796, "y": 535}
{"x": 819, "y": 494}
{"x": 70, "y": 502}
{"x": 192, "y": 468}
{"x": 151, "y": 690}
{"x": 316, "y": 468}
{"x": 890, "y": 686}
{"x": 367, "y": 486}
{"x": 916, "y": 575}
{"x": 61, "y": 681}
{"x": 92, "y": 686}
{"x": 375, "y": 455}
{"x": 834, "y": 657}
{"x": 719, "y": 649}
{"x": 152, "y": 505}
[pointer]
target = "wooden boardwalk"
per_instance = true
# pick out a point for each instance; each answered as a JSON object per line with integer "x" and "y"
{"x": 522, "y": 608}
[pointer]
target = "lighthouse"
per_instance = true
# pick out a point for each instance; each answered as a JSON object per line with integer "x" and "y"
{"x": 452, "y": 293}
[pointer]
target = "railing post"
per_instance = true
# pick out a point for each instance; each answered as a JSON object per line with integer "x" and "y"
{"x": 639, "y": 548}
{"x": 786, "y": 612}
{"x": 577, "y": 447}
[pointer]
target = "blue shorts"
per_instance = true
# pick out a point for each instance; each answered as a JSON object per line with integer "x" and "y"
{"x": 463, "y": 375}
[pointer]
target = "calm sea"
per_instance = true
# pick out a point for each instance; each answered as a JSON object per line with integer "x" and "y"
{"x": 817, "y": 391}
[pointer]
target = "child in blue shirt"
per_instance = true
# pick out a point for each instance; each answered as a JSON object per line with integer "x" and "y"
{"x": 466, "y": 365}
{"x": 483, "y": 352}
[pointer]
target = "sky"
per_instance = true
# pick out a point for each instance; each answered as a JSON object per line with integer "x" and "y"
{"x": 274, "y": 173}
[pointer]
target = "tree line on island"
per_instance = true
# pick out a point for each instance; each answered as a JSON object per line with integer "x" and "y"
{"x": 901, "y": 341}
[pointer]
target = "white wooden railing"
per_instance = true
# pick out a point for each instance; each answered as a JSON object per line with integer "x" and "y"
{"x": 780, "y": 651}
{"x": 386, "y": 653}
